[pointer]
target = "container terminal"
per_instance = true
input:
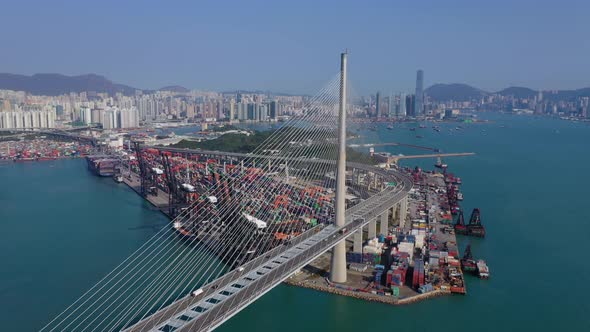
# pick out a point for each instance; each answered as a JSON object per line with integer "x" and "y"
{"x": 172, "y": 181}
{"x": 413, "y": 259}
{"x": 42, "y": 149}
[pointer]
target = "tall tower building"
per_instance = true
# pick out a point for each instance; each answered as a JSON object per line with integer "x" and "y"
{"x": 378, "y": 105}
{"x": 232, "y": 110}
{"x": 391, "y": 106}
{"x": 274, "y": 110}
{"x": 402, "y": 111}
{"x": 419, "y": 101}
{"x": 411, "y": 105}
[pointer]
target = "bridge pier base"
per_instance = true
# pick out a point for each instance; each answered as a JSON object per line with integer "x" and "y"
{"x": 384, "y": 224}
{"x": 403, "y": 210}
{"x": 372, "y": 229}
{"x": 358, "y": 241}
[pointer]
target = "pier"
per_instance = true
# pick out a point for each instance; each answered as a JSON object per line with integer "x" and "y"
{"x": 159, "y": 201}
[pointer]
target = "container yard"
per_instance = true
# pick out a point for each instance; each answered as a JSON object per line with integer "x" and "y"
{"x": 42, "y": 149}
{"x": 410, "y": 260}
{"x": 415, "y": 258}
{"x": 284, "y": 208}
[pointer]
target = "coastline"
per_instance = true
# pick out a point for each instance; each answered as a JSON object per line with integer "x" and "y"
{"x": 391, "y": 300}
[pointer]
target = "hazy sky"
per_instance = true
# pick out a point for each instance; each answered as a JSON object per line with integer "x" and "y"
{"x": 293, "y": 46}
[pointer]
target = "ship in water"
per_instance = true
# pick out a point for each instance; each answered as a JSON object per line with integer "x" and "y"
{"x": 460, "y": 227}
{"x": 475, "y": 227}
{"x": 102, "y": 165}
{"x": 390, "y": 127}
{"x": 482, "y": 269}
{"x": 439, "y": 163}
{"x": 467, "y": 262}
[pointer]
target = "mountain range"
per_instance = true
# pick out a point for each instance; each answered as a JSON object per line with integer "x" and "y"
{"x": 57, "y": 84}
{"x": 464, "y": 92}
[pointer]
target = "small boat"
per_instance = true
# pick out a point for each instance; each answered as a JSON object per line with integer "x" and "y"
{"x": 118, "y": 178}
{"x": 482, "y": 269}
{"x": 419, "y": 136}
{"x": 390, "y": 127}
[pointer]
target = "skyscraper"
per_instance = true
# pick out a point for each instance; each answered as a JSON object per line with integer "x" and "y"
{"x": 391, "y": 106}
{"x": 410, "y": 105}
{"x": 402, "y": 105}
{"x": 418, "y": 102}
{"x": 274, "y": 110}
{"x": 378, "y": 105}
{"x": 232, "y": 110}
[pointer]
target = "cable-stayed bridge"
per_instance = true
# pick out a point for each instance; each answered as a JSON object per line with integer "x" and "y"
{"x": 259, "y": 218}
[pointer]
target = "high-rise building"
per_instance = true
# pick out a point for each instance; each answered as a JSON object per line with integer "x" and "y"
{"x": 378, "y": 105}
{"x": 232, "y": 110}
{"x": 391, "y": 106}
{"x": 109, "y": 119}
{"x": 128, "y": 118}
{"x": 410, "y": 105}
{"x": 85, "y": 115}
{"x": 28, "y": 119}
{"x": 419, "y": 100}
{"x": 274, "y": 110}
{"x": 402, "y": 110}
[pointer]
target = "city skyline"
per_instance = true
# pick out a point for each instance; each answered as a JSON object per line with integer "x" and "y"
{"x": 455, "y": 42}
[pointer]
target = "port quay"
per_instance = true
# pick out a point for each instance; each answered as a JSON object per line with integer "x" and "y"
{"x": 293, "y": 210}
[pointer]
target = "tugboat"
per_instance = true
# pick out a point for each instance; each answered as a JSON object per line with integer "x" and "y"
{"x": 475, "y": 228}
{"x": 467, "y": 262}
{"x": 482, "y": 269}
{"x": 439, "y": 163}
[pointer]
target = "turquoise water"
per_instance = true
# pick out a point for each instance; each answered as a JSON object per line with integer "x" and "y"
{"x": 63, "y": 229}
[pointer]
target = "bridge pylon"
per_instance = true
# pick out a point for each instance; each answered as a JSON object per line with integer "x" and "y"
{"x": 338, "y": 263}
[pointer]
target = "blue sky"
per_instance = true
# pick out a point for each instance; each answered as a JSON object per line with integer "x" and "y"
{"x": 293, "y": 46}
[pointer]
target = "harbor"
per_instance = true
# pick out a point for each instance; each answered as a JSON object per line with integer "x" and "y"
{"x": 399, "y": 264}
{"x": 106, "y": 236}
{"x": 413, "y": 259}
